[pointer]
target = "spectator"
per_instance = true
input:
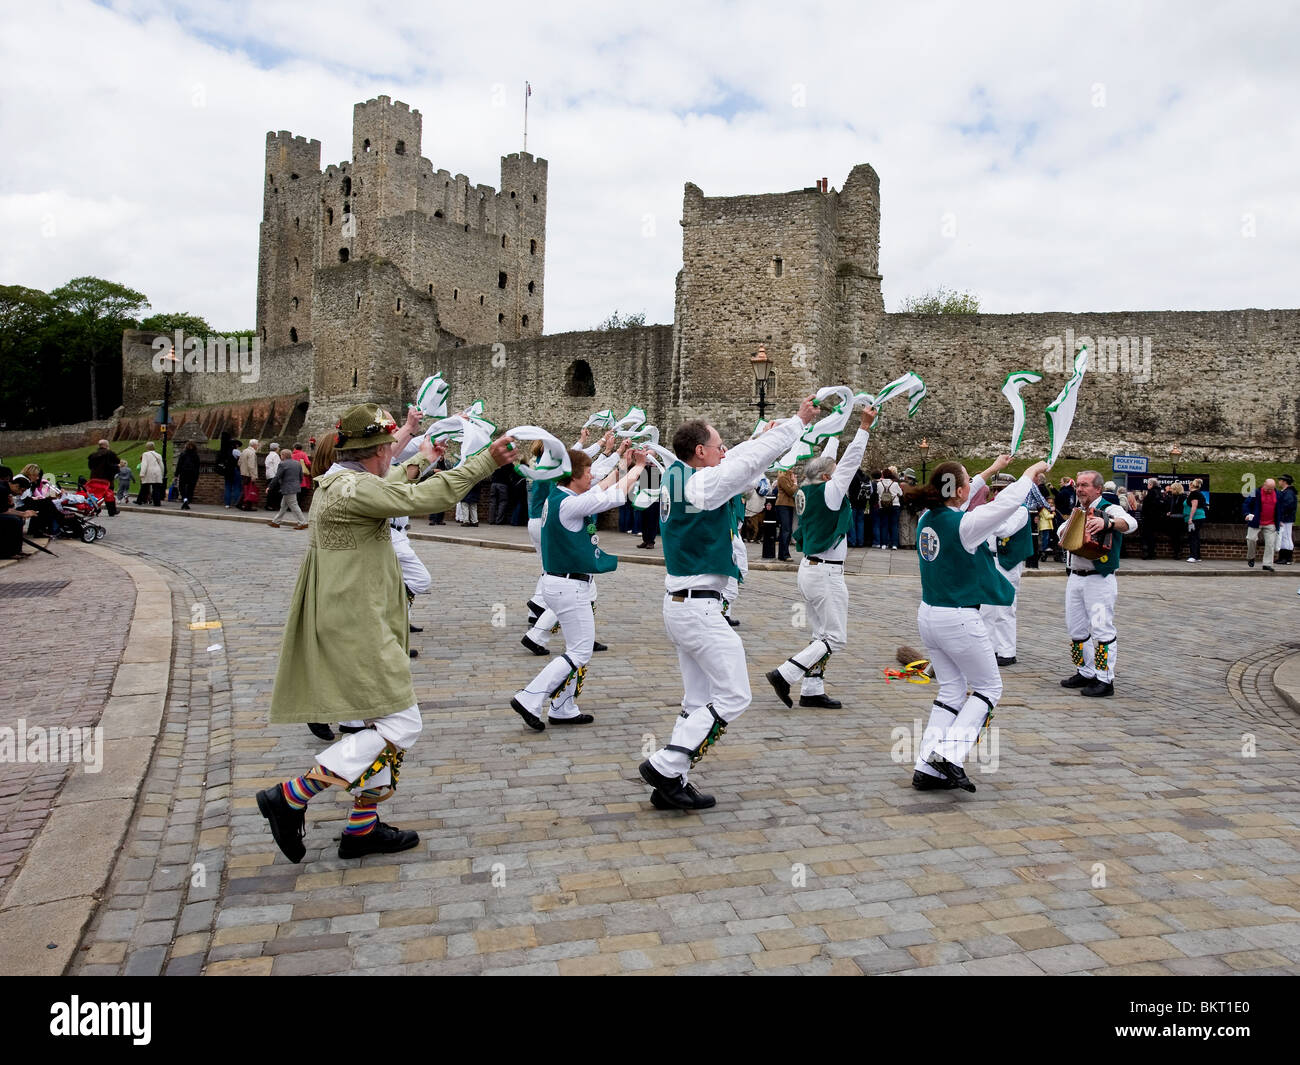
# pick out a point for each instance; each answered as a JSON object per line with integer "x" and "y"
{"x": 467, "y": 508}
{"x": 248, "y": 475}
{"x": 269, "y": 466}
{"x": 288, "y": 483}
{"x": 37, "y": 501}
{"x": 1260, "y": 510}
{"x": 124, "y": 478}
{"x": 11, "y": 520}
{"x": 859, "y": 501}
{"x": 438, "y": 519}
{"x": 786, "y": 486}
{"x": 1046, "y": 530}
{"x": 309, "y": 461}
{"x": 518, "y": 498}
{"x": 103, "y": 464}
{"x": 1174, "y": 518}
{"x": 1153, "y": 510}
{"x": 1035, "y": 501}
{"x": 890, "y": 493}
{"x": 1063, "y": 505}
{"x": 228, "y": 463}
{"x": 1194, "y": 511}
{"x": 499, "y": 494}
{"x": 187, "y": 473}
{"x": 1286, "y": 500}
{"x": 151, "y": 476}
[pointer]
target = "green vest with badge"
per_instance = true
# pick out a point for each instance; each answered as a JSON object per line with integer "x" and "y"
{"x": 566, "y": 551}
{"x": 951, "y": 575}
{"x": 696, "y": 541}
{"x": 820, "y": 528}
{"x": 1017, "y": 548}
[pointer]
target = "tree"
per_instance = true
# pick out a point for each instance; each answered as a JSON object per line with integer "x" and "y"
{"x": 190, "y": 324}
{"x": 99, "y": 310}
{"x": 941, "y": 301}
{"x": 24, "y": 322}
{"x": 617, "y": 321}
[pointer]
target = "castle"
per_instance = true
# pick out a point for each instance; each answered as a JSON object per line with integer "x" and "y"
{"x": 379, "y": 270}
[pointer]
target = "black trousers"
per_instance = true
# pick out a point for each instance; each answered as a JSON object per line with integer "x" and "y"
{"x": 188, "y": 482}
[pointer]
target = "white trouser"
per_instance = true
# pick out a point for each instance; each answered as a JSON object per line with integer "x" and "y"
{"x": 1284, "y": 541}
{"x": 969, "y": 683}
{"x": 352, "y": 755}
{"x": 712, "y": 663}
{"x": 823, "y": 589}
{"x": 1090, "y": 622}
{"x": 571, "y": 602}
{"x": 1001, "y": 620}
{"x": 1270, "y": 543}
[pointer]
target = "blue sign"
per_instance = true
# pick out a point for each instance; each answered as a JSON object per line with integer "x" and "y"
{"x": 1128, "y": 463}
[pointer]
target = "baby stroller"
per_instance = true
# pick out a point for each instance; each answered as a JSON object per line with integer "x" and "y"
{"x": 77, "y": 506}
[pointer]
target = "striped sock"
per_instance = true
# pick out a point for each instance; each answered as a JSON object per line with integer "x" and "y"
{"x": 299, "y": 791}
{"x": 362, "y": 819}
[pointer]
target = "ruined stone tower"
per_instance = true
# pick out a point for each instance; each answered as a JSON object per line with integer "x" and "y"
{"x": 347, "y": 256}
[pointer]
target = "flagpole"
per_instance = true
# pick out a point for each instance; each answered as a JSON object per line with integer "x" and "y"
{"x": 528, "y": 91}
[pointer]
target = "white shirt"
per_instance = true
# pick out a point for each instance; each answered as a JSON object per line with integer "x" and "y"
{"x": 987, "y": 519}
{"x": 272, "y": 464}
{"x": 591, "y": 450}
{"x": 714, "y": 486}
{"x": 576, "y": 507}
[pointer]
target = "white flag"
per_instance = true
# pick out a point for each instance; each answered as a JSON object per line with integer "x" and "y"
{"x": 1016, "y": 380}
{"x": 1060, "y": 412}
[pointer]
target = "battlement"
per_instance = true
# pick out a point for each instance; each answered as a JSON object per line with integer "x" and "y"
{"x": 385, "y": 102}
{"x": 288, "y": 156}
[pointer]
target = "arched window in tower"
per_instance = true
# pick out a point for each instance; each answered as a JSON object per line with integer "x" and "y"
{"x": 399, "y": 148}
{"x": 534, "y": 197}
{"x": 512, "y": 195}
{"x": 578, "y": 379}
{"x": 480, "y": 301}
{"x": 399, "y": 304}
{"x": 365, "y": 145}
{"x": 431, "y": 289}
{"x": 437, "y": 214}
{"x": 347, "y": 207}
{"x": 524, "y": 321}
{"x": 295, "y": 264}
{"x": 347, "y": 186}
{"x": 295, "y": 303}
{"x": 501, "y": 319}
{"x": 778, "y": 266}
{"x": 503, "y": 240}
{"x": 530, "y": 287}
{"x": 455, "y": 294}
{"x": 354, "y": 377}
{"x": 532, "y": 247}
{"x": 329, "y": 211}
{"x": 293, "y": 177}
{"x": 501, "y": 279}
{"x": 293, "y": 336}
{"x": 343, "y": 255}
{"x": 358, "y": 301}
{"x": 296, "y": 222}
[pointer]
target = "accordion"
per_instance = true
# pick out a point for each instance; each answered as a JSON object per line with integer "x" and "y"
{"x": 1075, "y": 539}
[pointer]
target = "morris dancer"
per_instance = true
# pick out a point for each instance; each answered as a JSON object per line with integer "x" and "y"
{"x": 1091, "y": 591}
{"x": 543, "y": 621}
{"x": 824, "y": 520}
{"x": 344, "y": 654}
{"x": 571, "y": 555}
{"x": 696, "y": 520}
{"x": 958, "y": 574}
{"x": 1014, "y": 548}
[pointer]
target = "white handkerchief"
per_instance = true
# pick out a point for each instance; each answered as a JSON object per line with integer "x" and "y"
{"x": 432, "y": 397}
{"x": 908, "y": 384}
{"x": 1016, "y": 380}
{"x": 1060, "y": 412}
{"x": 553, "y": 462}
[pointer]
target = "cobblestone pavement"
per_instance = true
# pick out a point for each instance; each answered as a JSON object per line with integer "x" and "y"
{"x": 1155, "y": 832}
{"x": 61, "y": 648}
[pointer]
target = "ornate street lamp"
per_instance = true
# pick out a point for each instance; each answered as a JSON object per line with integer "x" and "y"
{"x": 925, "y": 452}
{"x": 762, "y": 368}
{"x": 1175, "y": 453}
{"x": 169, "y": 368}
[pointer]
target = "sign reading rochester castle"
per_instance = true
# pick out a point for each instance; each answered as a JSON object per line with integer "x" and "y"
{"x": 377, "y": 271}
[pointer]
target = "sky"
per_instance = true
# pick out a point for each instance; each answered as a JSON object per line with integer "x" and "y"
{"x": 1073, "y": 157}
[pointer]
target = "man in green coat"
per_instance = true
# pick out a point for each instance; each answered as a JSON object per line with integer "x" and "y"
{"x": 345, "y": 649}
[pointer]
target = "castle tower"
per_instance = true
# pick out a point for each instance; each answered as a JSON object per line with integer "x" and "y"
{"x": 385, "y": 168}
{"x": 861, "y": 304}
{"x": 287, "y": 240}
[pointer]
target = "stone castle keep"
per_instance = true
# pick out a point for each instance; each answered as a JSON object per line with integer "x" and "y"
{"x": 380, "y": 270}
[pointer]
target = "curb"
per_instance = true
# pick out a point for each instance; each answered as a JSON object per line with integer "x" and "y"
{"x": 52, "y": 900}
{"x": 1286, "y": 679}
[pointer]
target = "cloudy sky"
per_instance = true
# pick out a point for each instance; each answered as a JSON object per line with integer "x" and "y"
{"x": 1095, "y": 158}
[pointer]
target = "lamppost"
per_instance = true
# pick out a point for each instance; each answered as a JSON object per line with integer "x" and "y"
{"x": 169, "y": 368}
{"x": 1175, "y": 453}
{"x": 762, "y": 367}
{"x": 925, "y": 453}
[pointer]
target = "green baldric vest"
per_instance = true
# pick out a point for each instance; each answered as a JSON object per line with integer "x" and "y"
{"x": 820, "y": 528}
{"x": 951, "y": 575}
{"x": 696, "y": 541}
{"x": 565, "y": 551}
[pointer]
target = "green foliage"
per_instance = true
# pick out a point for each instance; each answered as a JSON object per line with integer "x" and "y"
{"x": 617, "y": 321}
{"x": 190, "y": 324}
{"x": 941, "y": 301}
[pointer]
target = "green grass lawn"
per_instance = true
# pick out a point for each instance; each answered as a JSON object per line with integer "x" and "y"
{"x": 69, "y": 465}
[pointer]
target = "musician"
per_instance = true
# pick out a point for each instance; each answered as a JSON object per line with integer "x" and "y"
{"x": 1091, "y": 589}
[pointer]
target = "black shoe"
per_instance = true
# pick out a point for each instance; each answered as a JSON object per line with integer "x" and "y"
{"x": 320, "y": 730}
{"x": 1268, "y": 569}
{"x": 673, "y": 792}
{"x": 925, "y": 782}
{"x": 1098, "y": 689}
{"x": 1076, "y": 680}
{"x": 382, "y": 839}
{"x": 780, "y": 685}
{"x": 530, "y": 719}
{"x": 955, "y": 773}
{"x": 1006, "y": 661}
{"x": 414, "y": 628}
{"x": 732, "y": 622}
{"x": 535, "y": 647}
{"x": 581, "y": 719}
{"x": 288, "y": 826}
{"x": 819, "y": 700}
{"x": 598, "y": 646}
{"x": 1250, "y": 562}
{"x": 185, "y": 506}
